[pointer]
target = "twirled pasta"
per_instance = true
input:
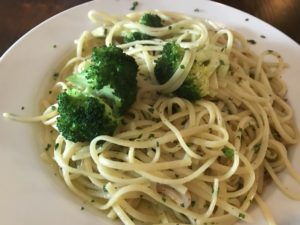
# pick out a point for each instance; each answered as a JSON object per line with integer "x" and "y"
{"x": 167, "y": 164}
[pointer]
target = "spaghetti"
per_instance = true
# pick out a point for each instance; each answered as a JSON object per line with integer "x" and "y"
{"x": 174, "y": 161}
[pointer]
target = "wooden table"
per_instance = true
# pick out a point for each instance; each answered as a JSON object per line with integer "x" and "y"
{"x": 19, "y": 16}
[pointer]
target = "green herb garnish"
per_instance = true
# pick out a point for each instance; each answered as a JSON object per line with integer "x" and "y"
{"x": 242, "y": 216}
{"x": 55, "y": 75}
{"x": 193, "y": 203}
{"x": 151, "y": 109}
{"x": 151, "y": 136}
{"x": 134, "y": 5}
{"x": 104, "y": 188}
{"x": 47, "y": 147}
{"x": 228, "y": 152}
{"x": 252, "y": 42}
{"x": 256, "y": 148}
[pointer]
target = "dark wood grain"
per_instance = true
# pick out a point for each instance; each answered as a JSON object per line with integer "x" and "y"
{"x": 19, "y": 16}
{"x": 282, "y": 14}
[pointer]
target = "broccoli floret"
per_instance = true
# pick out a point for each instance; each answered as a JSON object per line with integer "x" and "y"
{"x": 136, "y": 36}
{"x": 111, "y": 76}
{"x": 195, "y": 86}
{"x": 169, "y": 61}
{"x": 148, "y": 19}
{"x": 82, "y": 118}
{"x": 151, "y": 20}
{"x": 189, "y": 90}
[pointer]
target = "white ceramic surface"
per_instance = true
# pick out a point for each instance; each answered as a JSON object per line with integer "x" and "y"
{"x": 30, "y": 193}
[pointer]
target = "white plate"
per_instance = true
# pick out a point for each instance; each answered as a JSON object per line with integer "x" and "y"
{"x": 30, "y": 194}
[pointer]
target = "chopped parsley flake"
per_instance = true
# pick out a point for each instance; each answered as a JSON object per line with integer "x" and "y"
{"x": 193, "y": 203}
{"x": 228, "y": 152}
{"x": 151, "y": 109}
{"x": 181, "y": 66}
{"x": 53, "y": 108}
{"x": 134, "y": 5}
{"x": 47, "y": 147}
{"x": 104, "y": 188}
{"x": 242, "y": 216}
{"x": 22, "y": 108}
{"x": 56, "y": 146}
{"x": 82, "y": 208}
{"x": 55, "y": 75}
{"x": 206, "y": 62}
{"x": 256, "y": 148}
{"x": 252, "y": 42}
{"x": 151, "y": 136}
{"x": 157, "y": 144}
{"x": 170, "y": 27}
